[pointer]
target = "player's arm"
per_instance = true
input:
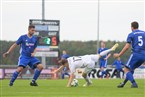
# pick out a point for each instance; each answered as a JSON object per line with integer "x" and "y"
{"x": 10, "y": 50}
{"x": 59, "y": 69}
{"x": 122, "y": 63}
{"x": 70, "y": 79}
{"x": 107, "y": 56}
{"x": 114, "y": 63}
{"x": 126, "y": 47}
{"x": 32, "y": 54}
{"x": 35, "y": 45}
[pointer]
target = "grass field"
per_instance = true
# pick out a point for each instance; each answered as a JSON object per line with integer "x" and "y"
{"x": 56, "y": 88}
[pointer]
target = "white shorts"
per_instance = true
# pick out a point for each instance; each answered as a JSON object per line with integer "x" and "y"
{"x": 89, "y": 67}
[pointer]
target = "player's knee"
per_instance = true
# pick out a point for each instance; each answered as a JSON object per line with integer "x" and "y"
{"x": 39, "y": 66}
{"x": 19, "y": 69}
{"x": 126, "y": 69}
{"x": 102, "y": 69}
{"x": 84, "y": 75}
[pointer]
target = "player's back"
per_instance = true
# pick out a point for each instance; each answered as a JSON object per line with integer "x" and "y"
{"x": 138, "y": 41}
{"x": 79, "y": 61}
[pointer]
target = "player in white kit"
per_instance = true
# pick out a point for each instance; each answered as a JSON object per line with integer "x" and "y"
{"x": 86, "y": 61}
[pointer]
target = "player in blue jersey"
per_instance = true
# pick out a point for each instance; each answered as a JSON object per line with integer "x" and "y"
{"x": 118, "y": 65}
{"x": 65, "y": 69}
{"x": 103, "y": 60}
{"x": 28, "y": 44}
{"x": 64, "y": 55}
{"x": 136, "y": 40}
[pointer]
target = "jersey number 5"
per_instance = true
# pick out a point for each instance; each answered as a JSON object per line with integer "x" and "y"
{"x": 140, "y": 41}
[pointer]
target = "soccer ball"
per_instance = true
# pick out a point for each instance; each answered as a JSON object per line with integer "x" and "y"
{"x": 74, "y": 83}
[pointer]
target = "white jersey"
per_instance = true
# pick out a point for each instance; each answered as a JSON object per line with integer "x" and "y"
{"x": 86, "y": 61}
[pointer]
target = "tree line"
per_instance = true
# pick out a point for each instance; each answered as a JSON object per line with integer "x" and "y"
{"x": 74, "y": 48}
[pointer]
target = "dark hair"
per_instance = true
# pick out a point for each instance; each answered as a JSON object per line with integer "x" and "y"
{"x": 31, "y": 26}
{"x": 62, "y": 61}
{"x": 135, "y": 25}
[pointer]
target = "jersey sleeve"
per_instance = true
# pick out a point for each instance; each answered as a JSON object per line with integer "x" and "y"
{"x": 129, "y": 38}
{"x": 19, "y": 41}
{"x": 114, "y": 63}
{"x": 122, "y": 63}
{"x": 99, "y": 51}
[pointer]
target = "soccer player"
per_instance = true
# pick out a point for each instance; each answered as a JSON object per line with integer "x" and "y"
{"x": 118, "y": 65}
{"x": 86, "y": 61}
{"x": 103, "y": 59}
{"x": 28, "y": 44}
{"x": 64, "y": 55}
{"x": 136, "y": 39}
{"x": 65, "y": 69}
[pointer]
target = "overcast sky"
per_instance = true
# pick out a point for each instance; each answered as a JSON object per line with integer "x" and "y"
{"x": 78, "y": 18}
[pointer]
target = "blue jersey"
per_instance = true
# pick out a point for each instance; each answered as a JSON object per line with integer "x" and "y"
{"x": 137, "y": 39}
{"x": 27, "y": 45}
{"x": 65, "y": 56}
{"x": 99, "y": 51}
{"x": 118, "y": 64}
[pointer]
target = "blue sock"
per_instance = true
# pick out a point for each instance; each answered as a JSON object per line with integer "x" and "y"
{"x": 103, "y": 72}
{"x": 14, "y": 77}
{"x": 129, "y": 76}
{"x": 63, "y": 76}
{"x": 36, "y": 75}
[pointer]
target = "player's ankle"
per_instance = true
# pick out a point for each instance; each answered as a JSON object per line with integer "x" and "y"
{"x": 33, "y": 80}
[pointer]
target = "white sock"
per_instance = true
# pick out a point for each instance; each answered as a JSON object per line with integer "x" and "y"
{"x": 103, "y": 53}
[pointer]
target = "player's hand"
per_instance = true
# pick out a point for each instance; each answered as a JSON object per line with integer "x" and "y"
{"x": 54, "y": 72}
{"x": 32, "y": 54}
{"x": 105, "y": 58}
{"x": 5, "y": 54}
{"x": 116, "y": 55}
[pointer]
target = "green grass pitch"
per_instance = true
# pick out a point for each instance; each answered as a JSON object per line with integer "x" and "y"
{"x": 56, "y": 88}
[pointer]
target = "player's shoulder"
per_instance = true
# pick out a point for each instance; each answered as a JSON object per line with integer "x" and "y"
{"x": 34, "y": 36}
{"x": 131, "y": 33}
{"x": 99, "y": 49}
{"x": 23, "y": 36}
{"x": 137, "y": 32}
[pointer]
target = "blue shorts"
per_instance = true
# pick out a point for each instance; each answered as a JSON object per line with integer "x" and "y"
{"x": 31, "y": 61}
{"x": 103, "y": 63}
{"x": 135, "y": 61}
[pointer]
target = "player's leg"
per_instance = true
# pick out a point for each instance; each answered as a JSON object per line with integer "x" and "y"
{"x": 22, "y": 63}
{"x": 87, "y": 70}
{"x": 62, "y": 75}
{"x": 118, "y": 73}
{"x": 87, "y": 79}
{"x": 105, "y": 71}
{"x": 122, "y": 72}
{"x": 36, "y": 75}
{"x": 35, "y": 64}
{"x": 103, "y": 53}
{"x": 15, "y": 75}
{"x": 66, "y": 73}
{"x": 133, "y": 62}
{"x": 103, "y": 65}
{"x": 102, "y": 72}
